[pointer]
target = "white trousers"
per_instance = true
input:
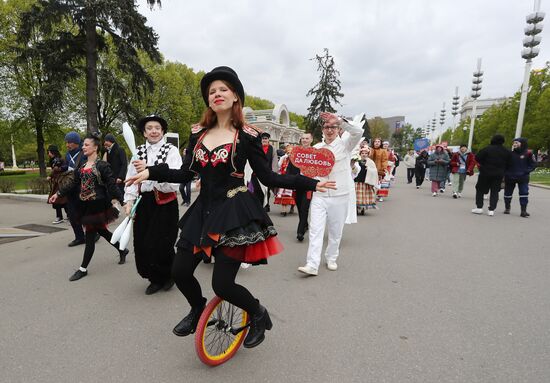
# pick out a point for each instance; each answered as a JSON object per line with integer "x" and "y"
{"x": 331, "y": 211}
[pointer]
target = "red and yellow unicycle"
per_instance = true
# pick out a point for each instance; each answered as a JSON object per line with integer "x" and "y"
{"x": 220, "y": 332}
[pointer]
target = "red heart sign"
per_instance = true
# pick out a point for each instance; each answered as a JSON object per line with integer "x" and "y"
{"x": 312, "y": 162}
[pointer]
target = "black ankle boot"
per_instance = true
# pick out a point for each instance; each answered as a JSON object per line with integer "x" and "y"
{"x": 123, "y": 254}
{"x": 189, "y": 323}
{"x": 524, "y": 212}
{"x": 506, "y": 208}
{"x": 258, "y": 324}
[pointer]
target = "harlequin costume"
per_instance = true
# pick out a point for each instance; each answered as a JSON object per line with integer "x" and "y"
{"x": 155, "y": 223}
{"x": 226, "y": 221}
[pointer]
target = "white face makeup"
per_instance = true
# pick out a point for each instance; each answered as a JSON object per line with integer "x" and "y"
{"x": 153, "y": 132}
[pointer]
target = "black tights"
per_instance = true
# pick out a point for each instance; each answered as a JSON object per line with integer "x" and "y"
{"x": 223, "y": 280}
{"x": 90, "y": 244}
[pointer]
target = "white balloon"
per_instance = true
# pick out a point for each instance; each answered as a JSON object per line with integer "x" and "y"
{"x": 119, "y": 230}
{"x": 123, "y": 244}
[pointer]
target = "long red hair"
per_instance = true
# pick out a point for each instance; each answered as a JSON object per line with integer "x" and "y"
{"x": 209, "y": 118}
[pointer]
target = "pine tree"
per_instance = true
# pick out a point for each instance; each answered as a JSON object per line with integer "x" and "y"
{"x": 325, "y": 94}
{"x": 92, "y": 22}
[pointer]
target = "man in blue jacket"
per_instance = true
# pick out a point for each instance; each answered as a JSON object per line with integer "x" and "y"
{"x": 523, "y": 163}
{"x": 74, "y": 159}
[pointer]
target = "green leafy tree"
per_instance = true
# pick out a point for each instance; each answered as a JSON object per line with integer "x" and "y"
{"x": 326, "y": 93}
{"x": 92, "y": 22}
{"x": 38, "y": 76}
{"x": 379, "y": 128}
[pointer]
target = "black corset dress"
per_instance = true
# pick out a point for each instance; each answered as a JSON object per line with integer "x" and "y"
{"x": 226, "y": 215}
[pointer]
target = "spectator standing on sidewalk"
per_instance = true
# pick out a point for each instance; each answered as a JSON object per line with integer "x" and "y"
{"x": 410, "y": 159}
{"x": 522, "y": 164}
{"x": 463, "y": 163}
{"x": 493, "y": 162}
{"x": 438, "y": 163}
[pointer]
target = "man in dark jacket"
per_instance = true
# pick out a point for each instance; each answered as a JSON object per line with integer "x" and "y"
{"x": 303, "y": 198}
{"x": 523, "y": 163}
{"x": 116, "y": 157}
{"x": 421, "y": 163}
{"x": 260, "y": 191}
{"x": 493, "y": 161}
{"x": 74, "y": 159}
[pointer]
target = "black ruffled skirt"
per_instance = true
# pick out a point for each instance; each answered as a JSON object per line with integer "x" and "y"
{"x": 96, "y": 214}
{"x": 238, "y": 226}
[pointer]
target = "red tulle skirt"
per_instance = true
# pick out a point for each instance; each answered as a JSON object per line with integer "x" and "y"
{"x": 254, "y": 253}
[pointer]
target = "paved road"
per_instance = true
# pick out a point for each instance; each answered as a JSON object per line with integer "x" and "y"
{"x": 425, "y": 292}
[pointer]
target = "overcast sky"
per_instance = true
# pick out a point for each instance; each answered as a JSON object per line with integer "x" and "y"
{"x": 395, "y": 57}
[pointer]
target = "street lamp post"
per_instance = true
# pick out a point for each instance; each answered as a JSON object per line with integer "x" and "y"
{"x": 529, "y": 52}
{"x": 433, "y": 128}
{"x": 455, "y": 106}
{"x": 441, "y": 122}
{"x": 476, "y": 87}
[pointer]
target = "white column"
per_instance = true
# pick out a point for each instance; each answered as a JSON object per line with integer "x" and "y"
{"x": 14, "y": 160}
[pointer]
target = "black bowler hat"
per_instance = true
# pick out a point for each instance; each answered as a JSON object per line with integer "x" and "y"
{"x": 222, "y": 73}
{"x": 265, "y": 135}
{"x": 160, "y": 120}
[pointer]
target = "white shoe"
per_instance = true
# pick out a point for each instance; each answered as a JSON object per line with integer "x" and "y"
{"x": 434, "y": 194}
{"x": 380, "y": 199}
{"x": 307, "y": 270}
{"x": 459, "y": 195}
{"x": 491, "y": 213}
{"x": 332, "y": 266}
{"x": 477, "y": 211}
{"x": 245, "y": 265}
{"x": 58, "y": 221}
{"x": 418, "y": 187}
{"x": 450, "y": 183}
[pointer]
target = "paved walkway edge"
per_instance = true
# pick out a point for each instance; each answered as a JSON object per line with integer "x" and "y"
{"x": 25, "y": 197}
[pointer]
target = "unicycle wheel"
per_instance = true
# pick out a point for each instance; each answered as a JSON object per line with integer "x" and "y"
{"x": 220, "y": 332}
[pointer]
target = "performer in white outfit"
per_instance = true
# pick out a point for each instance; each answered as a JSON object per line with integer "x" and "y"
{"x": 156, "y": 221}
{"x": 331, "y": 209}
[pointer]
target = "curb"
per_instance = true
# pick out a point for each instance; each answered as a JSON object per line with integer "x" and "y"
{"x": 25, "y": 197}
{"x": 540, "y": 186}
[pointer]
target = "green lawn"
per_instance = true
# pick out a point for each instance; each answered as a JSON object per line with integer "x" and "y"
{"x": 540, "y": 178}
{"x": 21, "y": 180}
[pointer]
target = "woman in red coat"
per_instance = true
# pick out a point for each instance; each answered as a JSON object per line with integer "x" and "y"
{"x": 462, "y": 164}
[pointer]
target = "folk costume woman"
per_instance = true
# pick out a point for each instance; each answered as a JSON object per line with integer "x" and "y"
{"x": 58, "y": 167}
{"x": 155, "y": 223}
{"x": 226, "y": 220}
{"x": 96, "y": 185}
{"x": 380, "y": 157}
{"x": 365, "y": 181}
{"x": 285, "y": 197}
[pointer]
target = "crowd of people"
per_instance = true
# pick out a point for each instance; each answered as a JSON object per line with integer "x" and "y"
{"x": 499, "y": 168}
{"x": 237, "y": 168}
